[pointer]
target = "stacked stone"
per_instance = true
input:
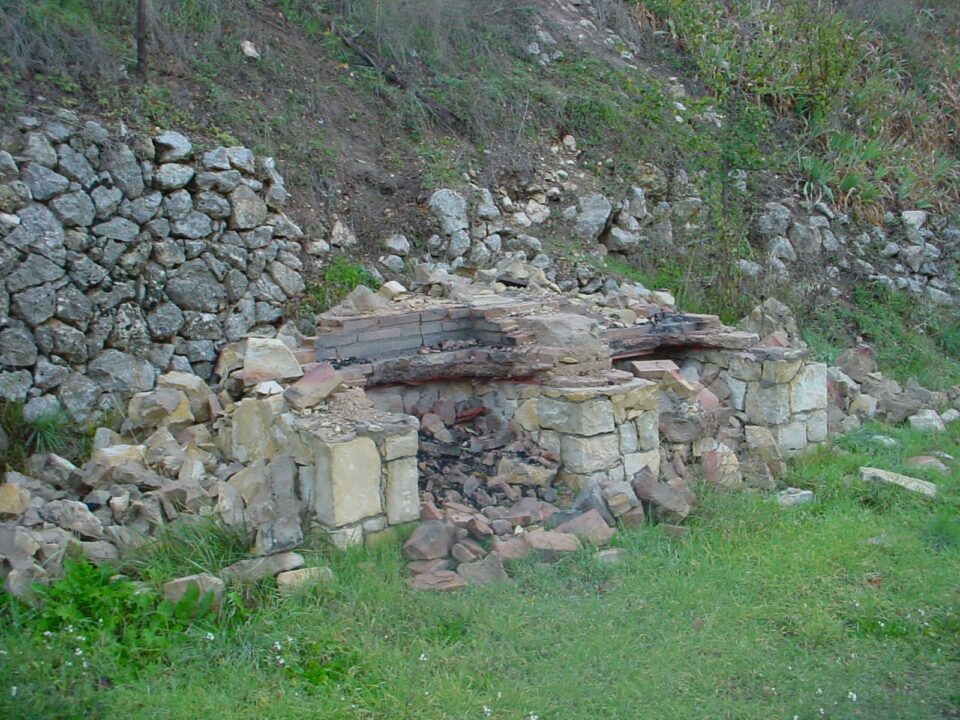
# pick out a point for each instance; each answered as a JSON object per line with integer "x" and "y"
{"x": 906, "y": 252}
{"x": 268, "y": 458}
{"x": 123, "y": 258}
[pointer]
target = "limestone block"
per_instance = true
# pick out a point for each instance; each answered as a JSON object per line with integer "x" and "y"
{"x": 817, "y": 426}
{"x": 290, "y": 581}
{"x": 742, "y": 366}
{"x": 791, "y": 438}
{"x": 628, "y": 438}
{"x": 863, "y": 405}
{"x": 402, "y": 494}
{"x": 648, "y": 430}
{"x": 769, "y": 404}
{"x": 518, "y": 472}
{"x": 885, "y": 477}
{"x": 780, "y": 371}
{"x": 808, "y": 390}
{"x": 738, "y": 390}
{"x": 527, "y": 415}
{"x": 250, "y": 437}
{"x": 400, "y": 446}
{"x": 638, "y": 400}
{"x": 549, "y": 442}
{"x": 589, "y": 454}
{"x": 347, "y": 481}
{"x": 635, "y": 462}
{"x": 590, "y": 417}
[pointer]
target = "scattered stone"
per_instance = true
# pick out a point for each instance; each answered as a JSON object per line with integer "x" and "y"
{"x": 432, "y": 540}
{"x": 927, "y": 421}
{"x": 794, "y": 496}
{"x": 886, "y": 477}
{"x": 589, "y": 527}
{"x": 175, "y": 590}
{"x": 257, "y": 568}
{"x": 292, "y": 581}
{"x": 267, "y": 359}
{"x": 314, "y": 387}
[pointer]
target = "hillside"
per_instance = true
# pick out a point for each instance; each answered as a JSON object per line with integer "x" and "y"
{"x": 538, "y": 359}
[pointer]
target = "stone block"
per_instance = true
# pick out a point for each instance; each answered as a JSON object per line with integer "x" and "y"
{"x": 527, "y": 415}
{"x": 817, "y": 425}
{"x": 635, "y": 462}
{"x": 791, "y": 438}
{"x": 885, "y": 477}
{"x": 769, "y": 404}
{"x": 347, "y": 481}
{"x": 591, "y": 417}
{"x": 402, "y": 493}
{"x": 589, "y": 454}
{"x": 400, "y": 446}
{"x": 292, "y": 580}
{"x": 808, "y": 390}
{"x": 648, "y": 430}
{"x": 175, "y": 590}
{"x": 628, "y": 438}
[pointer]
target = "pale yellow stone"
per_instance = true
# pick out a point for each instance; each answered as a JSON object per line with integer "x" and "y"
{"x": 347, "y": 481}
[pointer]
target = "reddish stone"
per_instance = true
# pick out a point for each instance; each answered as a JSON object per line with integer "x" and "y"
{"x": 551, "y": 546}
{"x": 501, "y": 527}
{"x": 467, "y": 550}
{"x": 482, "y": 572}
{"x": 441, "y": 580}
{"x": 429, "y": 511}
{"x": 314, "y": 387}
{"x": 418, "y": 567}
{"x": 479, "y": 528}
{"x": 633, "y": 518}
{"x": 511, "y": 548}
{"x": 589, "y": 527}
{"x": 430, "y": 541}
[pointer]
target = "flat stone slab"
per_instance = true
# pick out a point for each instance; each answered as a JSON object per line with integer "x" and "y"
{"x": 886, "y": 477}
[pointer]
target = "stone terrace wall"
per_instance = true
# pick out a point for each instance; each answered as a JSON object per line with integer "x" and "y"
{"x": 122, "y": 257}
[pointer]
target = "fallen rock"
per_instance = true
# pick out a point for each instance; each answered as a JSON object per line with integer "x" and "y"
{"x": 927, "y": 421}
{"x": 14, "y": 501}
{"x": 794, "y": 496}
{"x": 589, "y": 527}
{"x": 73, "y": 515}
{"x": 292, "y": 580}
{"x": 257, "y": 568}
{"x": 551, "y": 546}
{"x": 668, "y": 502}
{"x": 314, "y": 387}
{"x": 927, "y": 462}
{"x": 431, "y": 540}
{"x": 443, "y": 580}
{"x": 268, "y": 359}
{"x": 885, "y": 477}
{"x": 485, "y": 571}
{"x": 175, "y": 590}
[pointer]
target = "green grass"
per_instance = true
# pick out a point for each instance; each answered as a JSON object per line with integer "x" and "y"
{"x": 912, "y": 338}
{"x": 762, "y": 613}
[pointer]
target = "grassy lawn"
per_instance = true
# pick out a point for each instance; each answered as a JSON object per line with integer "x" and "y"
{"x": 845, "y": 608}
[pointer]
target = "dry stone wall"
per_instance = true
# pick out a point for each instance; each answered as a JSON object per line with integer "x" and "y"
{"x": 124, "y": 256}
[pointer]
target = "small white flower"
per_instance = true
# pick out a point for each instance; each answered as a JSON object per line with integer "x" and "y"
{"x": 3, "y": 652}
{"x": 13, "y": 691}
{"x": 289, "y": 639}
{"x": 69, "y": 628}
{"x": 78, "y": 652}
{"x": 487, "y": 711}
{"x": 819, "y": 691}
{"x": 532, "y": 716}
{"x": 80, "y": 638}
{"x": 277, "y": 646}
{"x": 280, "y": 661}
{"x": 423, "y": 657}
{"x": 852, "y": 696}
{"x": 209, "y": 637}
{"x": 47, "y": 634}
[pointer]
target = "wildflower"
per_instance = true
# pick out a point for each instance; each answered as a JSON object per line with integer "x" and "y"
{"x": 487, "y": 711}
{"x": 47, "y": 634}
{"x": 13, "y": 691}
{"x": 423, "y": 657}
{"x": 277, "y": 646}
{"x": 289, "y": 639}
{"x": 852, "y": 696}
{"x": 78, "y": 652}
{"x": 209, "y": 637}
{"x": 280, "y": 661}
{"x": 531, "y": 716}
